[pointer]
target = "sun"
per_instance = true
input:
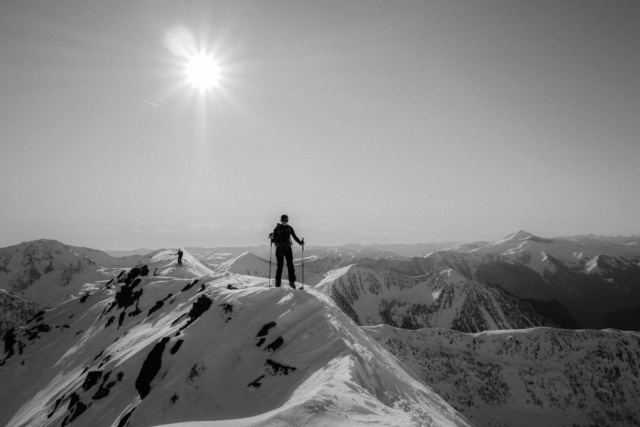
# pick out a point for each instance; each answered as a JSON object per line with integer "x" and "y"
{"x": 202, "y": 71}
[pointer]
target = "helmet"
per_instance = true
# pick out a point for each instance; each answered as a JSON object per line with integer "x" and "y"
{"x": 284, "y": 218}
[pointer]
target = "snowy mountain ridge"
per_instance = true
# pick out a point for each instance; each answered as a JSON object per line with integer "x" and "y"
{"x": 150, "y": 350}
{"x": 164, "y": 262}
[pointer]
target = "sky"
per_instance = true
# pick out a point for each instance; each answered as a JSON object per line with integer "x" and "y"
{"x": 364, "y": 121}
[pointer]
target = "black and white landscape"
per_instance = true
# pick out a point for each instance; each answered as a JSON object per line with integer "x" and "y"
{"x": 443, "y": 161}
{"x": 486, "y": 334}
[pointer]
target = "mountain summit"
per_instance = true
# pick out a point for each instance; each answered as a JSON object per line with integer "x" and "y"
{"x": 520, "y": 236}
{"x": 164, "y": 262}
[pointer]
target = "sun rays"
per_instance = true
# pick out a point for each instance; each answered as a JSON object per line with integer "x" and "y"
{"x": 203, "y": 71}
{"x": 199, "y": 67}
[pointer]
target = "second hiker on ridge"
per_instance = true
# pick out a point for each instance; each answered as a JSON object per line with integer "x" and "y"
{"x": 281, "y": 237}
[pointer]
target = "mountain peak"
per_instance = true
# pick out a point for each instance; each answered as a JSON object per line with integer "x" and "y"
{"x": 519, "y": 235}
{"x": 164, "y": 262}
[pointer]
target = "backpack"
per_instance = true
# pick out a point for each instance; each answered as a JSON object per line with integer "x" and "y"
{"x": 282, "y": 235}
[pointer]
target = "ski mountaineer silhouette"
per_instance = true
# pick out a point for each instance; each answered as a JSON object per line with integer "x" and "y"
{"x": 281, "y": 237}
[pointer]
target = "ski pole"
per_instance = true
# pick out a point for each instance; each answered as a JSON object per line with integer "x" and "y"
{"x": 270, "y": 250}
{"x": 302, "y": 283}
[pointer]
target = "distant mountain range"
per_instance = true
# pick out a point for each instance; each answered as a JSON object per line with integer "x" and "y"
{"x": 372, "y": 250}
{"x": 596, "y": 279}
{"x": 592, "y": 278}
{"x": 491, "y": 328}
{"x": 576, "y": 281}
{"x": 441, "y": 299}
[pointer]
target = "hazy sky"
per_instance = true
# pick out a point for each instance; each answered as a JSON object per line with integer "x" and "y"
{"x": 365, "y": 121}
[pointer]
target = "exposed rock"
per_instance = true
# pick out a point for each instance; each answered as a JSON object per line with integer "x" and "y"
{"x": 276, "y": 368}
{"x": 150, "y": 368}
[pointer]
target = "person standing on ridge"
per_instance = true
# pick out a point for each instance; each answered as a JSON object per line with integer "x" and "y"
{"x": 179, "y": 256}
{"x": 281, "y": 237}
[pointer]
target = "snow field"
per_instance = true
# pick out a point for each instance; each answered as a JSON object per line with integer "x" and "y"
{"x": 196, "y": 351}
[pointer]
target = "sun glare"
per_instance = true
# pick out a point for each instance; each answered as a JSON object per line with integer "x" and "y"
{"x": 202, "y": 71}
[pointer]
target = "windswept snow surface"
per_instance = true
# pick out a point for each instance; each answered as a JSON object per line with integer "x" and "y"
{"x": 248, "y": 264}
{"x": 226, "y": 351}
{"x": 527, "y": 378}
{"x": 252, "y": 265}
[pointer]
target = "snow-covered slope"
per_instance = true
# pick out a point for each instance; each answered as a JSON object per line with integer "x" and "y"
{"x": 213, "y": 257}
{"x": 443, "y": 299}
{"x": 527, "y": 378}
{"x": 46, "y": 272}
{"x": 159, "y": 350}
{"x": 252, "y": 265}
{"x": 248, "y": 264}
